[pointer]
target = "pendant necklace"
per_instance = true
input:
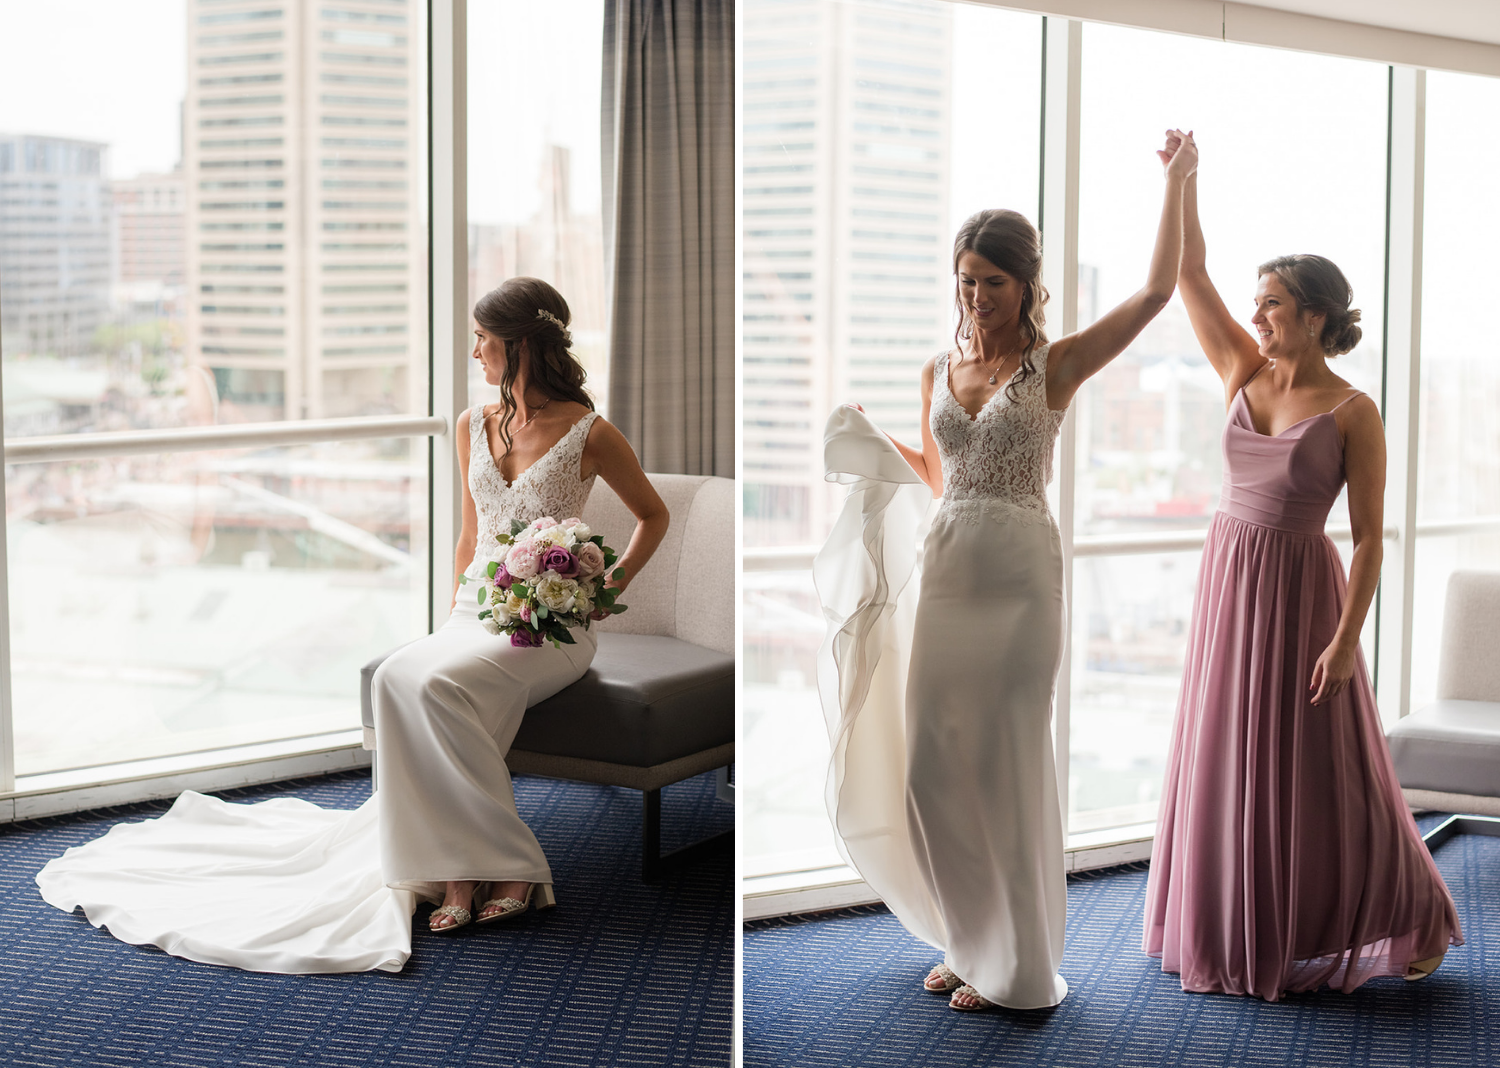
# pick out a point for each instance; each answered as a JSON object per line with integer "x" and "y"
{"x": 534, "y": 412}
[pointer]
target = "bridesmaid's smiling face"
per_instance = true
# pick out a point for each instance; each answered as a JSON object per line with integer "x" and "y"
{"x": 489, "y": 350}
{"x": 1279, "y": 326}
{"x": 991, "y": 297}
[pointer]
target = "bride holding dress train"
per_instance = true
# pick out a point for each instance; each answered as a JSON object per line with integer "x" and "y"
{"x": 284, "y": 886}
{"x": 942, "y": 788}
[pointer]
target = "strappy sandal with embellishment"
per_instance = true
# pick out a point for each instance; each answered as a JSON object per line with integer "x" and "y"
{"x": 946, "y": 976}
{"x": 966, "y": 990}
{"x": 1421, "y": 969}
{"x": 461, "y": 916}
{"x": 510, "y": 907}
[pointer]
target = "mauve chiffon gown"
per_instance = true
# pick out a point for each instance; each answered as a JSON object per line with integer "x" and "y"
{"x": 1285, "y": 857}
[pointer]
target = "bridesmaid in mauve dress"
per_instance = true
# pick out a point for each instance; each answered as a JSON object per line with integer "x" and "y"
{"x": 1285, "y": 857}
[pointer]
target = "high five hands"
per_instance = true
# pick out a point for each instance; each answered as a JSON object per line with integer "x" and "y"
{"x": 1180, "y": 158}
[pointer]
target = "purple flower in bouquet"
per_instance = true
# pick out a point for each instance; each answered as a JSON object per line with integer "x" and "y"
{"x": 590, "y": 560}
{"x": 526, "y": 638}
{"x": 560, "y": 560}
{"x": 503, "y": 578}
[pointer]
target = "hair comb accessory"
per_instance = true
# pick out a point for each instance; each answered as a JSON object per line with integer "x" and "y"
{"x": 543, "y": 313}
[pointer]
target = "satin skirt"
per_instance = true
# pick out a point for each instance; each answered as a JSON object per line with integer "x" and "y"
{"x": 285, "y": 886}
{"x": 937, "y": 685}
{"x": 1285, "y": 855}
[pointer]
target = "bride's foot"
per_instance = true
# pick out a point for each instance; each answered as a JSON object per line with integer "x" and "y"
{"x": 506, "y": 900}
{"x": 967, "y": 999}
{"x": 1421, "y": 969}
{"x": 941, "y": 980}
{"x": 457, "y": 909}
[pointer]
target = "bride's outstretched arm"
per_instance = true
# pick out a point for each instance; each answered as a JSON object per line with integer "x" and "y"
{"x": 924, "y": 461}
{"x": 609, "y": 455}
{"x": 468, "y": 532}
{"x": 1075, "y": 359}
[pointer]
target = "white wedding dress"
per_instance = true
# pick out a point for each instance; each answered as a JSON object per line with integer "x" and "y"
{"x": 285, "y": 886}
{"x": 938, "y": 688}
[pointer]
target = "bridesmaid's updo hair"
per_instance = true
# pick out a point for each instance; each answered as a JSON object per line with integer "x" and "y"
{"x": 1317, "y": 285}
{"x": 531, "y": 318}
{"x": 1009, "y": 241}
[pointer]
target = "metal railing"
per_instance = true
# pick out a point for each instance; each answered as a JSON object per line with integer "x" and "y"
{"x": 62, "y": 447}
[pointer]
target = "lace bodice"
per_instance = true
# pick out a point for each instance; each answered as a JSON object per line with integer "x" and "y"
{"x": 1001, "y": 461}
{"x": 550, "y": 486}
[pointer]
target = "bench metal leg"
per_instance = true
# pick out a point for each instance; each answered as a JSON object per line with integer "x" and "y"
{"x": 653, "y": 864}
{"x": 1453, "y": 825}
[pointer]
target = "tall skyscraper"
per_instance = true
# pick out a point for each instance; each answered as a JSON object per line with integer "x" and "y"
{"x": 847, "y": 287}
{"x": 54, "y": 245}
{"x": 302, "y": 145}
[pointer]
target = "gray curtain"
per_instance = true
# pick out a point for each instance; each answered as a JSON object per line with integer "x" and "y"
{"x": 668, "y": 169}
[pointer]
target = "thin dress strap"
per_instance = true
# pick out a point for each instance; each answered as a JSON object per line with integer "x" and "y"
{"x": 1346, "y": 400}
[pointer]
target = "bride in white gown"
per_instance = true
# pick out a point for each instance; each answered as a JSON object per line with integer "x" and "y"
{"x": 943, "y": 788}
{"x": 285, "y": 886}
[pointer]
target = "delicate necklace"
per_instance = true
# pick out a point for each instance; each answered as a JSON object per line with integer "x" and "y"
{"x": 533, "y": 415}
{"x": 996, "y": 372}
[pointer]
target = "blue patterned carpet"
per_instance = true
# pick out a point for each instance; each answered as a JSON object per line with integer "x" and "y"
{"x": 619, "y": 974}
{"x": 844, "y": 991}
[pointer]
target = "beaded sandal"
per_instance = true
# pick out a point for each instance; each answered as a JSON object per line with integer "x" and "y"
{"x": 943, "y": 974}
{"x": 461, "y": 916}
{"x": 508, "y": 907}
{"x": 969, "y": 991}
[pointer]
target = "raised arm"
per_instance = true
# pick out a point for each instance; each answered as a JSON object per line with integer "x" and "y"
{"x": 1074, "y": 359}
{"x": 1364, "y": 466}
{"x": 609, "y": 455}
{"x": 1230, "y": 348}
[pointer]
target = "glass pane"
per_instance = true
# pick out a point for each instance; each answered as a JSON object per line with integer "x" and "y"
{"x": 1459, "y": 428}
{"x": 534, "y": 170}
{"x": 215, "y": 216}
{"x": 1149, "y": 424}
{"x": 858, "y": 166}
{"x": 188, "y": 601}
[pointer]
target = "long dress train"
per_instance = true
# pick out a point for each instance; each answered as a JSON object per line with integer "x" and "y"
{"x": 1285, "y": 856}
{"x": 938, "y": 692}
{"x": 284, "y": 886}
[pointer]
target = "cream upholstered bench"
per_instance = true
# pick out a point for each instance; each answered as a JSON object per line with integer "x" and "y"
{"x": 657, "y": 704}
{"x": 1447, "y": 754}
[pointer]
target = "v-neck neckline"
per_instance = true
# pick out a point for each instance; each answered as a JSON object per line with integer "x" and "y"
{"x": 510, "y": 482}
{"x": 948, "y": 384}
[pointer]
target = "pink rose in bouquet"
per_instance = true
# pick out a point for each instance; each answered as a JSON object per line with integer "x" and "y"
{"x": 523, "y": 561}
{"x": 590, "y": 560}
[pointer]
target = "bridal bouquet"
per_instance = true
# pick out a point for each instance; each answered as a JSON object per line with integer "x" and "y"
{"x": 550, "y": 578}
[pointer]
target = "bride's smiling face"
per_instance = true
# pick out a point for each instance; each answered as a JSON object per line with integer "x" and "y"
{"x": 489, "y": 350}
{"x": 991, "y": 297}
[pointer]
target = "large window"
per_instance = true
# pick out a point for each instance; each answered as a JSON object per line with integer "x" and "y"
{"x": 534, "y": 169}
{"x": 871, "y": 130}
{"x": 1144, "y": 434}
{"x": 1148, "y": 425}
{"x": 1458, "y": 497}
{"x": 212, "y": 213}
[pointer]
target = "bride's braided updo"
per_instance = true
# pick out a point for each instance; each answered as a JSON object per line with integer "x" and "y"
{"x": 531, "y": 319}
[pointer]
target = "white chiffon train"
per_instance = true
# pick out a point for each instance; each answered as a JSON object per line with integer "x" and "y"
{"x": 937, "y": 686}
{"x": 286, "y": 886}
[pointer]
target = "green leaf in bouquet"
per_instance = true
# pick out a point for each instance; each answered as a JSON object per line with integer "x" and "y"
{"x": 521, "y": 590}
{"x": 504, "y": 539}
{"x": 463, "y": 580}
{"x": 617, "y": 573}
{"x": 609, "y": 557}
{"x": 616, "y": 609}
{"x": 482, "y": 592}
{"x": 563, "y": 636}
{"x": 485, "y": 614}
{"x": 598, "y": 539}
{"x": 494, "y": 565}
{"x": 516, "y": 526}
{"x": 541, "y": 611}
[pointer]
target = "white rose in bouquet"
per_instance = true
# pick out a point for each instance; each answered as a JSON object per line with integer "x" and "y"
{"x": 558, "y": 594}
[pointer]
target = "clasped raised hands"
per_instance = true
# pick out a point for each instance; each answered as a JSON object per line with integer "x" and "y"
{"x": 1179, "y": 159}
